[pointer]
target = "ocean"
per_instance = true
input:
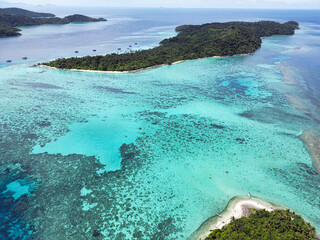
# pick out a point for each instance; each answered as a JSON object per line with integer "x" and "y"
{"x": 153, "y": 154}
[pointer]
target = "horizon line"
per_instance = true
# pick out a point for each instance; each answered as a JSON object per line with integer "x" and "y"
{"x": 228, "y": 8}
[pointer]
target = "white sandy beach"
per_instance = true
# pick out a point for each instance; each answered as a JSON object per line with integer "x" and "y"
{"x": 116, "y": 72}
{"x": 237, "y": 207}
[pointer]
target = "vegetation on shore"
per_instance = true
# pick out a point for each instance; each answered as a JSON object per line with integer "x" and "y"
{"x": 20, "y": 17}
{"x": 82, "y": 18}
{"x": 192, "y": 42}
{"x": 7, "y": 31}
{"x": 278, "y": 224}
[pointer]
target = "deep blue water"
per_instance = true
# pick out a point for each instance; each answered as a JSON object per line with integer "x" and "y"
{"x": 202, "y": 132}
{"x": 136, "y": 24}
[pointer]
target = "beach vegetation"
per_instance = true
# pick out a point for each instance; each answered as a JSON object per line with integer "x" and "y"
{"x": 262, "y": 224}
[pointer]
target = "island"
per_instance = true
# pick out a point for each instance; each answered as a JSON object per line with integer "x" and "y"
{"x": 262, "y": 224}
{"x": 11, "y": 18}
{"x": 26, "y": 13}
{"x": 255, "y": 218}
{"x": 191, "y": 42}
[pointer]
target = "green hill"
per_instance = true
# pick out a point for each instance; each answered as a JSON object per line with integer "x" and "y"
{"x": 82, "y": 18}
{"x": 7, "y": 31}
{"x": 23, "y": 12}
{"x": 18, "y": 18}
{"x": 192, "y": 42}
{"x": 275, "y": 225}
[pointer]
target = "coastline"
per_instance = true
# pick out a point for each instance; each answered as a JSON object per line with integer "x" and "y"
{"x": 137, "y": 70}
{"x": 113, "y": 72}
{"x": 237, "y": 207}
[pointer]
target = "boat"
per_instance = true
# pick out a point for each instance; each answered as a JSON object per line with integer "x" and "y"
{"x": 219, "y": 215}
{"x": 119, "y": 49}
{"x": 9, "y": 61}
{"x": 76, "y": 51}
{"x": 24, "y": 58}
{"x": 135, "y": 43}
{"x": 130, "y": 46}
{"x": 94, "y": 50}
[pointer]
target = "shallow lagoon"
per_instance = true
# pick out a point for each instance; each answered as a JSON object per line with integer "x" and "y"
{"x": 189, "y": 137}
{"x": 99, "y": 138}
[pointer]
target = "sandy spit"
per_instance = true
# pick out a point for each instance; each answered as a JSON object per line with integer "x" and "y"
{"x": 237, "y": 208}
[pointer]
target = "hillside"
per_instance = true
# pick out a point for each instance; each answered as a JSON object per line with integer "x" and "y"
{"x": 18, "y": 18}
{"x": 83, "y": 18}
{"x": 23, "y": 12}
{"x": 7, "y": 31}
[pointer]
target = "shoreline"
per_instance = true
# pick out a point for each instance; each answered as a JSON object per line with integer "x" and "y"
{"x": 137, "y": 70}
{"x": 237, "y": 207}
{"x": 113, "y": 72}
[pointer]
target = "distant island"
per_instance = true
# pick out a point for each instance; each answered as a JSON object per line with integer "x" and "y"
{"x": 11, "y": 18}
{"x": 192, "y": 42}
{"x": 23, "y": 12}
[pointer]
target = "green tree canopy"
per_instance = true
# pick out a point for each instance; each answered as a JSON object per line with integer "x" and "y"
{"x": 192, "y": 42}
{"x": 264, "y": 225}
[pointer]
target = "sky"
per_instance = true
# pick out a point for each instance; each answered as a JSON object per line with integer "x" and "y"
{"x": 281, "y": 4}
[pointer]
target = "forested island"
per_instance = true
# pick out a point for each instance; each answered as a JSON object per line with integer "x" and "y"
{"x": 262, "y": 224}
{"x": 26, "y": 13}
{"x": 11, "y": 18}
{"x": 192, "y": 42}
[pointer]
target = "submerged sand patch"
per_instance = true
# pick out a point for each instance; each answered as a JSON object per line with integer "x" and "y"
{"x": 312, "y": 142}
{"x": 288, "y": 77}
{"x": 298, "y": 103}
{"x": 310, "y": 137}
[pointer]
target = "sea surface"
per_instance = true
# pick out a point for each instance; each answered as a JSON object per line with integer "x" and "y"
{"x": 152, "y": 155}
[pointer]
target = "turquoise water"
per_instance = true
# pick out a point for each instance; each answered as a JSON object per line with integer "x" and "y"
{"x": 17, "y": 189}
{"x": 152, "y": 155}
{"x": 99, "y": 138}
